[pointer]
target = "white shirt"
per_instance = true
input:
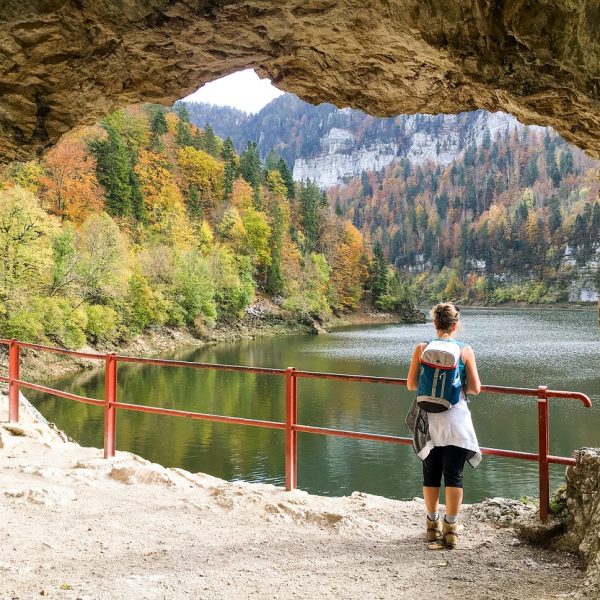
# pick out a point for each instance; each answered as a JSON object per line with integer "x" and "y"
{"x": 454, "y": 427}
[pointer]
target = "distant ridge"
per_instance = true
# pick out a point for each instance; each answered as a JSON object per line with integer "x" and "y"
{"x": 329, "y": 145}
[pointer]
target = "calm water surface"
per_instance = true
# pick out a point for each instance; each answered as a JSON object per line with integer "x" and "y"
{"x": 516, "y": 347}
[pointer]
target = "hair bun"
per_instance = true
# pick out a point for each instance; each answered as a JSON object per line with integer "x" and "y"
{"x": 445, "y": 314}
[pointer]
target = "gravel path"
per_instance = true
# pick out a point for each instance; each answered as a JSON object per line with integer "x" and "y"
{"x": 73, "y": 525}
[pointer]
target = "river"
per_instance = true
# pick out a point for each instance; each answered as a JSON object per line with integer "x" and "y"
{"x": 514, "y": 347}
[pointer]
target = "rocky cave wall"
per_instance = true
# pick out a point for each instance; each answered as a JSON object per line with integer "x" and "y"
{"x": 583, "y": 525}
{"x": 65, "y": 63}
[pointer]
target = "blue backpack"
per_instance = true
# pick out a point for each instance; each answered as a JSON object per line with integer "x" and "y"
{"x": 440, "y": 382}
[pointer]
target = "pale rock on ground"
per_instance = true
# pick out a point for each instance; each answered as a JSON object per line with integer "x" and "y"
{"x": 73, "y": 525}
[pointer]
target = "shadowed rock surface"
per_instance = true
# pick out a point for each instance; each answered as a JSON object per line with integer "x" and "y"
{"x": 65, "y": 63}
{"x": 583, "y": 505}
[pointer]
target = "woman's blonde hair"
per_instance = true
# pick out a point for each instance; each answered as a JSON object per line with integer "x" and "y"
{"x": 445, "y": 314}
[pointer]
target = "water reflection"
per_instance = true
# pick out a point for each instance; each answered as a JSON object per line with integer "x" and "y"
{"x": 560, "y": 349}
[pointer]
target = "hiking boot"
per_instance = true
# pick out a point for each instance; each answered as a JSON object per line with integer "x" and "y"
{"x": 434, "y": 529}
{"x": 450, "y": 534}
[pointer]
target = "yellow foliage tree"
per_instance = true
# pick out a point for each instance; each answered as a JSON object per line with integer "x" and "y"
{"x": 231, "y": 229}
{"x": 241, "y": 196}
{"x": 454, "y": 287}
{"x": 205, "y": 173}
{"x": 24, "y": 174}
{"x": 133, "y": 125}
{"x": 205, "y": 237}
{"x": 349, "y": 271}
{"x": 26, "y": 235}
{"x": 171, "y": 120}
{"x": 258, "y": 233}
{"x": 165, "y": 208}
{"x": 532, "y": 229}
{"x": 276, "y": 184}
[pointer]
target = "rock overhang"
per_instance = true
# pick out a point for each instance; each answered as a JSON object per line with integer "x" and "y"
{"x": 67, "y": 63}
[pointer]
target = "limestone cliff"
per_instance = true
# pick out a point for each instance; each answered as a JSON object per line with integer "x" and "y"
{"x": 441, "y": 144}
{"x": 329, "y": 145}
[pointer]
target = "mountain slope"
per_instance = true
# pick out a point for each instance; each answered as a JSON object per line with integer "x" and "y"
{"x": 475, "y": 203}
{"x": 328, "y": 145}
{"x": 515, "y": 218}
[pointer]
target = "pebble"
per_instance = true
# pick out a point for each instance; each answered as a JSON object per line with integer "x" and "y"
{"x": 516, "y": 542}
{"x": 531, "y": 563}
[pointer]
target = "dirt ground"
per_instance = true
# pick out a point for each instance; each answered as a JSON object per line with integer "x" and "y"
{"x": 76, "y": 526}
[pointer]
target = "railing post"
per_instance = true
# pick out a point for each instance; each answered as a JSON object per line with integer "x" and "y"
{"x": 13, "y": 376}
{"x": 110, "y": 412}
{"x": 543, "y": 451}
{"x": 291, "y": 436}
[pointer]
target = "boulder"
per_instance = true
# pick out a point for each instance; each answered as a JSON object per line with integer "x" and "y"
{"x": 583, "y": 515}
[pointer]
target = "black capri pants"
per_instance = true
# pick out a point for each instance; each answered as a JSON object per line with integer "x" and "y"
{"x": 446, "y": 460}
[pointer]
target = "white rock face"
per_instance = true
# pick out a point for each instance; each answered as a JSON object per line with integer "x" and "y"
{"x": 337, "y": 140}
{"x": 331, "y": 168}
{"x": 588, "y": 295}
{"x": 583, "y": 287}
{"x": 439, "y": 139}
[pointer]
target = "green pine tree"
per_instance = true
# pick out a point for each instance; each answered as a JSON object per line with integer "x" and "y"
{"x": 230, "y": 171}
{"x": 287, "y": 177}
{"x": 251, "y": 171}
{"x": 183, "y": 135}
{"x": 275, "y": 276}
{"x": 194, "y": 204}
{"x": 378, "y": 273}
{"x": 158, "y": 123}
{"x": 595, "y": 224}
{"x": 114, "y": 171}
{"x": 210, "y": 141}
{"x": 181, "y": 111}
{"x": 272, "y": 162}
{"x": 138, "y": 208}
{"x": 551, "y": 166}
{"x": 158, "y": 127}
{"x": 198, "y": 140}
{"x": 310, "y": 198}
{"x": 367, "y": 190}
{"x": 554, "y": 217}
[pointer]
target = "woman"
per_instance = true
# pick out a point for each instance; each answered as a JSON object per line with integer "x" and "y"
{"x": 444, "y": 441}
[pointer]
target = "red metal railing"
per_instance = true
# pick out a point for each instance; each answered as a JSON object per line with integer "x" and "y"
{"x": 291, "y": 426}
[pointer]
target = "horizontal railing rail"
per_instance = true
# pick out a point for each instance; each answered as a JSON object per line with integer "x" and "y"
{"x": 290, "y": 426}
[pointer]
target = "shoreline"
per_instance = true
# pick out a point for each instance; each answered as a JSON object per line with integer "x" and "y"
{"x": 268, "y": 321}
{"x": 579, "y": 306}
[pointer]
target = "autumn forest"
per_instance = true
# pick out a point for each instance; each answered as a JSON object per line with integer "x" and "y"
{"x": 146, "y": 220}
{"x": 515, "y": 219}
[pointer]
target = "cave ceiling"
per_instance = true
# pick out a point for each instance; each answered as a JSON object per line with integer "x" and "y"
{"x": 67, "y": 63}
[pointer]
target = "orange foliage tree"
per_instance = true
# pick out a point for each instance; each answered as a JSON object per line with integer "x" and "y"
{"x": 348, "y": 273}
{"x": 69, "y": 188}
